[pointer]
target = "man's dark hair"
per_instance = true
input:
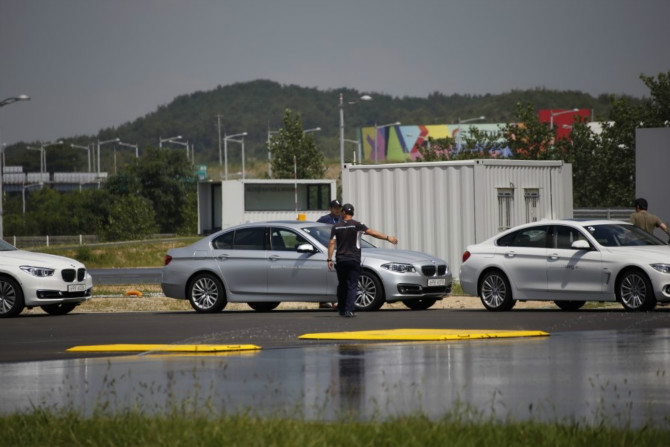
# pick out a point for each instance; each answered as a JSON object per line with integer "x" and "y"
{"x": 641, "y": 203}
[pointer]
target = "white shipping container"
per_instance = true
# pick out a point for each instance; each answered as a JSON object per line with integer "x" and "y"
{"x": 37, "y": 177}
{"x": 75, "y": 177}
{"x": 14, "y": 178}
{"x": 442, "y": 207}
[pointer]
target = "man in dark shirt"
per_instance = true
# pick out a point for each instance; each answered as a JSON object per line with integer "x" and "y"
{"x": 346, "y": 234}
{"x": 335, "y": 214}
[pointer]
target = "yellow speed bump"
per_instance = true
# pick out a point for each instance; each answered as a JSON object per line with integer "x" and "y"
{"x": 422, "y": 334}
{"x": 164, "y": 348}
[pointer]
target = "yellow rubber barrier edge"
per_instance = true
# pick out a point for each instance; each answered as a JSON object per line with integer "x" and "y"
{"x": 163, "y": 348}
{"x": 422, "y": 334}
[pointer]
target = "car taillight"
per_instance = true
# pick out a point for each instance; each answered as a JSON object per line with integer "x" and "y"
{"x": 168, "y": 258}
{"x": 466, "y": 255}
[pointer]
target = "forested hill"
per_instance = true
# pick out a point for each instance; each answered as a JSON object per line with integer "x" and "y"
{"x": 256, "y": 106}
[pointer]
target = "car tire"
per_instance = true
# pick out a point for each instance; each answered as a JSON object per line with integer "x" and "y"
{"x": 263, "y": 306}
{"x": 59, "y": 309}
{"x": 635, "y": 292}
{"x": 495, "y": 291}
{"x": 570, "y": 305}
{"x": 420, "y": 304}
{"x": 206, "y": 293}
{"x": 11, "y": 298}
{"x": 370, "y": 295}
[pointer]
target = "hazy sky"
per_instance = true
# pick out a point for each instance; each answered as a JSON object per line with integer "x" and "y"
{"x": 89, "y": 64}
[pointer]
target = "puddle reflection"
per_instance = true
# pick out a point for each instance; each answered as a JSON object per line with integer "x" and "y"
{"x": 587, "y": 377}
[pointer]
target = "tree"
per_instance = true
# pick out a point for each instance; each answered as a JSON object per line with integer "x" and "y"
{"x": 130, "y": 217}
{"x": 585, "y": 152}
{"x": 435, "y": 149}
{"x": 528, "y": 138}
{"x": 294, "y": 150}
{"x": 166, "y": 178}
{"x": 657, "y": 107}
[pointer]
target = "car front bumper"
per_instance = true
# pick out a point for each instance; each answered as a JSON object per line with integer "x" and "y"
{"x": 400, "y": 287}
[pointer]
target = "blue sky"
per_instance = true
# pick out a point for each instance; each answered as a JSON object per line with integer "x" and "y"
{"x": 90, "y": 64}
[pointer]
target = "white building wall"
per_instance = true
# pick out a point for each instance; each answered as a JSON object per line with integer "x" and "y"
{"x": 232, "y": 203}
{"x": 442, "y": 207}
{"x": 652, "y": 155}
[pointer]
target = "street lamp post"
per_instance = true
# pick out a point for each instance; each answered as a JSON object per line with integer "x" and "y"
{"x": 43, "y": 156}
{"x": 168, "y": 140}
{"x": 563, "y": 112}
{"x": 14, "y": 99}
{"x": 341, "y": 105}
{"x": 86, "y": 148}
{"x": 458, "y": 129}
{"x": 27, "y": 187}
{"x": 227, "y": 138}
{"x": 44, "y": 153}
{"x": 173, "y": 140}
{"x": 136, "y": 146}
{"x": 3, "y": 103}
{"x": 100, "y": 143}
{"x": 397, "y": 123}
{"x": 41, "y": 150}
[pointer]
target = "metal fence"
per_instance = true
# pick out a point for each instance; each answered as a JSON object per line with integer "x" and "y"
{"x": 603, "y": 213}
{"x": 82, "y": 239}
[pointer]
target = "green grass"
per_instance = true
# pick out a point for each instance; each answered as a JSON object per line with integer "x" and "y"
{"x": 134, "y": 429}
{"x": 150, "y": 253}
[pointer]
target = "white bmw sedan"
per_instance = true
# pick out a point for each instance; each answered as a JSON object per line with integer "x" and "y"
{"x": 27, "y": 279}
{"x": 569, "y": 262}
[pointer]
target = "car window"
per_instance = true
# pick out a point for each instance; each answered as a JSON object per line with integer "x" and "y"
{"x": 241, "y": 239}
{"x": 564, "y": 236}
{"x": 622, "y": 235}
{"x": 319, "y": 232}
{"x": 282, "y": 239}
{"x": 6, "y": 246}
{"x": 224, "y": 242}
{"x": 526, "y": 237}
{"x": 249, "y": 239}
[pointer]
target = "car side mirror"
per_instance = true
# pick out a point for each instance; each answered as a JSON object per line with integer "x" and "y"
{"x": 306, "y": 248}
{"x": 581, "y": 245}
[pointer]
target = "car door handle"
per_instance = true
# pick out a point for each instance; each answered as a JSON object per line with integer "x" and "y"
{"x": 553, "y": 256}
{"x": 222, "y": 257}
{"x": 510, "y": 254}
{"x": 274, "y": 257}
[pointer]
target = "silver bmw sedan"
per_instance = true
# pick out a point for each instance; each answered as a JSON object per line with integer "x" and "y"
{"x": 265, "y": 263}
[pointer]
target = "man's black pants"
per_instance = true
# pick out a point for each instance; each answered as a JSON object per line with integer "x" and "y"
{"x": 348, "y": 273}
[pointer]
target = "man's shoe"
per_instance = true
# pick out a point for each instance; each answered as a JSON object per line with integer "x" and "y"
{"x": 349, "y": 315}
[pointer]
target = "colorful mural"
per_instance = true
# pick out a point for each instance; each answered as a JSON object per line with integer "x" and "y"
{"x": 399, "y": 143}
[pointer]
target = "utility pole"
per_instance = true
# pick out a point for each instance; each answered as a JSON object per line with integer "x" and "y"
{"x": 219, "y": 129}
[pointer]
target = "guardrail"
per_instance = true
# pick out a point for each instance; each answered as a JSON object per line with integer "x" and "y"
{"x": 81, "y": 239}
{"x": 603, "y": 213}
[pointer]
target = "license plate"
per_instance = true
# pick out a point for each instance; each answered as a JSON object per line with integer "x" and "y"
{"x": 437, "y": 282}
{"x": 76, "y": 288}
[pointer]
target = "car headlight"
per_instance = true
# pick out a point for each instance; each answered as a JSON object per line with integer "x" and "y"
{"x": 37, "y": 271}
{"x": 399, "y": 268}
{"x": 663, "y": 268}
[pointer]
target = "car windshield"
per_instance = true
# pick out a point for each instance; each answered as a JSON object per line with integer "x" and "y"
{"x": 322, "y": 234}
{"x": 6, "y": 246}
{"x": 621, "y": 235}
